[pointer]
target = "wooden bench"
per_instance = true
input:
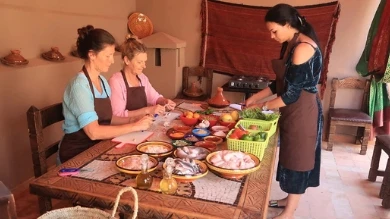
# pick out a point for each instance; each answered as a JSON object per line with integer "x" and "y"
{"x": 382, "y": 143}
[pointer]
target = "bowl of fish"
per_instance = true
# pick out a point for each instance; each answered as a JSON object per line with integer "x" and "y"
{"x": 181, "y": 143}
{"x": 188, "y": 170}
{"x": 200, "y": 132}
{"x": 131, "y": 164}
{"x": 157, "y": 149}
{"x": 191, "y": 152}
{"x": 232, "y": 164}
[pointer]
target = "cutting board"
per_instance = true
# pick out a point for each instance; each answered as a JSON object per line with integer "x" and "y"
{"x": 132, "y": 138}
{"x": 169, "y": 117}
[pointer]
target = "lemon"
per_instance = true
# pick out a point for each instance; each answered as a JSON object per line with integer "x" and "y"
{"x": 234, "y": 115}
{"x": 196, "y": 115}
{"x": 226, "y": 117}
{"x": 189, "y": 115}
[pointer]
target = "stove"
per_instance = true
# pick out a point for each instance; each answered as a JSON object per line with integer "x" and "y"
{"x": 248, "y": 82}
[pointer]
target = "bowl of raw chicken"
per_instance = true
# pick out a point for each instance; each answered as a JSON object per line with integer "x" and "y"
{"x": 157, "y": 149}
{"x": 131, "y": 164}
{"x": 191, "y": 152}
{"x": 232, "y": 164}
{"x": 187, "y": 170}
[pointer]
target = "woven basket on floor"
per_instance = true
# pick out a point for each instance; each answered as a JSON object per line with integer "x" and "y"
{"x": 82, "y": 212}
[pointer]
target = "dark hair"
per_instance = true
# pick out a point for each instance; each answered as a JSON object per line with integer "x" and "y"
{"x": 284, "y": 13}
{"x": 92, "y": 39}
{"x": 131, "y": 47}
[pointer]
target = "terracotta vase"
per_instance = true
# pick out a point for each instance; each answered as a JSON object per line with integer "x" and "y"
{"x": 218, "y": 101}
{"x": 14, "y": 59}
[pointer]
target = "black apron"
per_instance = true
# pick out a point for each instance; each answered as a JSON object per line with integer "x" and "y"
{"x": 298, "y": 122}
{"x": 74, "y": 143}
{"x": 136, "y": 96}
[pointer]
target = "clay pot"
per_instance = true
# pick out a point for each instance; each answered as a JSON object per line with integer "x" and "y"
{"x": 14, "y": 59}
{"x": 53, "y": 55}
{"x": 193, "y": 91}
{"x": 218, "y": 100}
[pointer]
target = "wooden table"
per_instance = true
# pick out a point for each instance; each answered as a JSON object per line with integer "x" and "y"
{"x": 252, "y": 201}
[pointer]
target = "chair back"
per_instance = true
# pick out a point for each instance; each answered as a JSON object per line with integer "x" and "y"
{"x": 350, "y": 83}
{"x": 37, "y": 121}
{"x": 200, "y": 72}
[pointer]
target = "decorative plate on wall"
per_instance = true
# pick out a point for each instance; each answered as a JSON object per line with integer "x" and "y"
{"x": 140, "y": 25}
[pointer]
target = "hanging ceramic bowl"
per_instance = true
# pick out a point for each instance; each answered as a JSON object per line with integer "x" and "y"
{"x": 53, "y": 55}
{"x": 14, "y": 59}
{"x": 140, "y": 25}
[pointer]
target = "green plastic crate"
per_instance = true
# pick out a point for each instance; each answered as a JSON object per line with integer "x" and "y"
{"x": 256, "y": 148}
{"x": 267, "y": 126}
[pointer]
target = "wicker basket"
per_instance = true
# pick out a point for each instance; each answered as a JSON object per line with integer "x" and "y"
{"x": 140, "y": 25}
{"x": 82, "y": 212}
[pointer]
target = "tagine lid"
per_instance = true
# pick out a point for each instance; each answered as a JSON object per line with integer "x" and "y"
{"x": 193, "y": 91}
{"x": 53, "y": 55}
{"x": 14, "y": 59}
{"x": 218, "y": 101}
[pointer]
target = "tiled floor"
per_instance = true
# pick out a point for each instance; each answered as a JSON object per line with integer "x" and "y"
{"x": 344, "y": 192}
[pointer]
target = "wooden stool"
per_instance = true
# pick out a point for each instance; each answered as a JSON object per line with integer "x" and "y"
{"x": 382, "y": 143}
{"x": 7, "y": 203}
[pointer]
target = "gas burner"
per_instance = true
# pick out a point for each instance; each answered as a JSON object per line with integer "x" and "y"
{"x": 248, "y": 82}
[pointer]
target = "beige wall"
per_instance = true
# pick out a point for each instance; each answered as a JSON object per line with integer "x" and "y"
{"x": 34, "y": 27}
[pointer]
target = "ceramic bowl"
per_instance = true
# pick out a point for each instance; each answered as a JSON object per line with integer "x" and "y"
{"x": 175, "y": 135}
{"x": 146, "y": 148}
{"x": 202, "y": 150}
{"x": 220, "y": 128}
{"x": 217, "y": 140}
{"x": 182, "y": 128}
{"x": 213, "y": 119}
{"x": 232, "y": 173}
{"x": 123, "y": 162}
{"x": 230, "y": 125}
{"x": 188, "y": 121}
{"x": 191, "y": 138}
{"x": 181, "y": 143}
{"x": 207, "y": 144}
{"x": 201, "y": 132}
{"x": 190, "y": 178}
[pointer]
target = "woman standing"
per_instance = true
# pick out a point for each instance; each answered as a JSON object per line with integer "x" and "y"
{"x": 132, "y": 93}
{"x": 297, "y": 74}
{"x": 86, "y": 103}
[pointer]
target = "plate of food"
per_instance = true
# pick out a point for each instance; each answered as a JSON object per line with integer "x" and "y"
{"x": 157, "y": 149}
{"x": 187, "y": 170}
{"x": 191, "y": 152}
{"x": 181, "y": 143}
{"x": 131, "y": 164}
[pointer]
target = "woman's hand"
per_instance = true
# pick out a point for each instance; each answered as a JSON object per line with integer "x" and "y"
{"x": 250, "y": 102}
{"x": 157, "y": 109}
{"x": 257, "y": 105}
{"x": 170, "y": 105}
{"x": 144, "y": 123}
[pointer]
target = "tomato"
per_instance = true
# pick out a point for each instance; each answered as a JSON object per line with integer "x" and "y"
{"x": 233, "y": 136}
{"x": 239, "y": 132}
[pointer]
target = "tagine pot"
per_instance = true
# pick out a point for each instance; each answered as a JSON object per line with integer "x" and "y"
{"x": 53, "y": 55}
{"x": 218, "y": 101}
{"x": 193, "y": 91}
{"x": 14, "y": 59}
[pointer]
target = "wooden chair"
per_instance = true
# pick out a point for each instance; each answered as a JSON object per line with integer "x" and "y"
{"x": 7, "y": 203}
{"x": 382, "y": 143}
{"x": 201, "y": 73}
{"x": 350, "y": 117}
{"x": 37, "y": 121}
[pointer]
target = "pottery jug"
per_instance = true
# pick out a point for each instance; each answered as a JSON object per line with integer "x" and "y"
{"x": 218, "y": 100}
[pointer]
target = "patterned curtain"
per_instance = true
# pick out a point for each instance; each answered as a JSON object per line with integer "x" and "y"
{"x": 375, "y": 61}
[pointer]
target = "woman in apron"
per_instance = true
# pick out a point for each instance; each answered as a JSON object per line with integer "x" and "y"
{"x": 297, "y": 74}
{"x": 132, "y": 93}
{"x": 86, "y": 103}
